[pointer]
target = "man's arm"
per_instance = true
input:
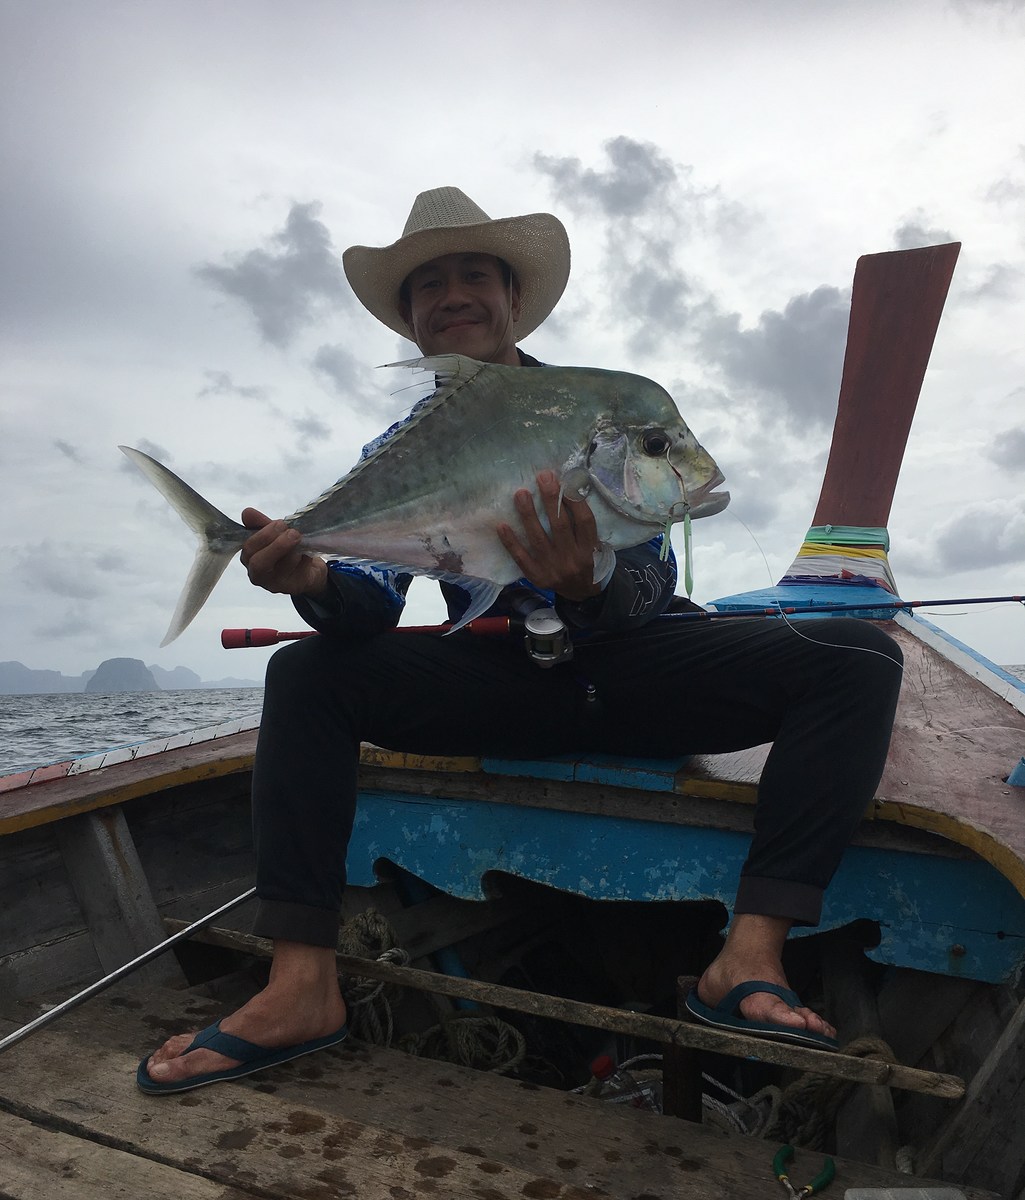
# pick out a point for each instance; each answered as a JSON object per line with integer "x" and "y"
{"x": 639, "y": 589}
{"x": 358, "y": 602}
{"x": 343, "y": 601}
{"x": 274, "y": 561}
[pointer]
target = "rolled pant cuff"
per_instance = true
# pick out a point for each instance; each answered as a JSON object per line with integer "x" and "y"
{"x": 281, "y": 920}
{"x": 797, "y": 902}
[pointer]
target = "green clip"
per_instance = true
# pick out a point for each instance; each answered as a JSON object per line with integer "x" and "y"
{"x": 822, "y": 1180}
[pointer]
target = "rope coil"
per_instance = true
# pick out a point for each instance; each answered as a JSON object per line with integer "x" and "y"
{"x": 484, "y": 1043}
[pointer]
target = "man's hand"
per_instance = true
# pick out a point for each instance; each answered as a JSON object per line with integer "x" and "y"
{"x": 562, "y": 561}
{"x": 274, "y": 562}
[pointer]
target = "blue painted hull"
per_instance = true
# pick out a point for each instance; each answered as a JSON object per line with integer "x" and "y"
{"x": 952, "y": 916}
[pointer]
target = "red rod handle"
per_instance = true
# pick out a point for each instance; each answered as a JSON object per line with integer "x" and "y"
{"x": 237, "y": 639}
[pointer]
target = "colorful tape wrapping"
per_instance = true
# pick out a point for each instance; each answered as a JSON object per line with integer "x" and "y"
{"x": 847, "y": 554}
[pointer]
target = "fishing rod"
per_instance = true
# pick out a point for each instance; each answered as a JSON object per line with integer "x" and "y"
{"x": 544, "y": 633}
{"x": 234, "y": 639}
{"x": 237, "y": 639}
{"x": 102, "y": 984}
{"x": 895, "y": 605}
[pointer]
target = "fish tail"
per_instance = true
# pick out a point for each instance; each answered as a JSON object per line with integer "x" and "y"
{"x": 220, "y": 538}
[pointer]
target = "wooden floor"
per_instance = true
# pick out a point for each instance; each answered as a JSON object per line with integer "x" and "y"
{"x": 346, "y": 1122}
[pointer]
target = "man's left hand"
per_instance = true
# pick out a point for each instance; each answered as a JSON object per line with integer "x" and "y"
{"x": 561, "y": 561}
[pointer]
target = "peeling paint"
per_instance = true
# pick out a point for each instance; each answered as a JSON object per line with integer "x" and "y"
{"x": 924, "y": 904}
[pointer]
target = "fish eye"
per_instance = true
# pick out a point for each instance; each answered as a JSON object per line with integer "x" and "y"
{"x": 655, "y": 442}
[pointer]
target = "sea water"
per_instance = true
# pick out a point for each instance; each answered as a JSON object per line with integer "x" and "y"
{"x": 40, "y": 729}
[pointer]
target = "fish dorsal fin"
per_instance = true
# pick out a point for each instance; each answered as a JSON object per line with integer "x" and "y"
{"x": 452, "y": 372}
{"x": 448, "y": 369}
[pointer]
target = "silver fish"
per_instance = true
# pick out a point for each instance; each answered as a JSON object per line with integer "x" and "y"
{"x": 429, "y": 499}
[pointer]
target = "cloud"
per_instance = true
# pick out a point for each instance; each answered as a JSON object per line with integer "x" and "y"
{"x": 220, "y": 383}
{"x": 68, "y": 450}
{"x": 147, "y": 447}
{"x": 650, "y": 209}
{"x": 1000, "y": 282}
{"x": 1008, "y": 450}
{"x": 74, "y": 625}
{"x": 363, "y": 388}
{"x": 339, "y": 367}
{"x": 43, "y": 571}
{"x": 310, "y": 428}
{"x": 654, "y": 213}
{"x": 914, "y": 232}
{"x": 288, "y": 285}
{"x": 987, "y": 533}
{"x": 1008, "y": 12}
{"x": 1006, "y": 191}
{"x": 796, "y": 355}
{"x": 638, "y": 175}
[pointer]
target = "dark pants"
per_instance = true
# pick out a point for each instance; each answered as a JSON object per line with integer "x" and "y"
{"x": 823, "y": 692}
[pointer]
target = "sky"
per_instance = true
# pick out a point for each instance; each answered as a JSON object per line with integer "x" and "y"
{"x": 180, "y": 178}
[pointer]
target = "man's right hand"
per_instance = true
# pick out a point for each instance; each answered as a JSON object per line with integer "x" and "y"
{"x": 274, "y": 561}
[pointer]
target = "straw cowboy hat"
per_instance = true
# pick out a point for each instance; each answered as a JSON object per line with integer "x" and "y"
{"x": 446, "y": 221}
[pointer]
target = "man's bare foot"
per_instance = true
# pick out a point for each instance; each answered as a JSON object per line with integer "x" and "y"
{"x": 753, "y": 951}
{"x": 300, "y": 1002}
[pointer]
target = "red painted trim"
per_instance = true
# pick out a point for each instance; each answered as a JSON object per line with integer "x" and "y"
{"x": 895, "y": 310}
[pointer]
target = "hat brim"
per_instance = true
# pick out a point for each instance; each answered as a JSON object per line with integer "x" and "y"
{"x": 536, "y": 246}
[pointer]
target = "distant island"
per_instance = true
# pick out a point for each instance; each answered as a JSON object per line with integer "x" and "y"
{"x": 112, "y": 675}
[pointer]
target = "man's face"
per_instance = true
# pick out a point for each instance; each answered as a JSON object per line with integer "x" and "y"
{"x": 461, "y": 304}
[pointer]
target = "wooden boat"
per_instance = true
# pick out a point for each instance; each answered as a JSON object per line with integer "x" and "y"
{"x": 556, "y": 904}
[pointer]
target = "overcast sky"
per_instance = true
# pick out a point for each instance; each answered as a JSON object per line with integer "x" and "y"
{"x": 181, "y": 177}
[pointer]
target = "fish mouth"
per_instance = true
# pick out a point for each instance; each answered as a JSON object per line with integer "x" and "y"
{"x": 708, "y": 504}
{"x": 703, "y": 501}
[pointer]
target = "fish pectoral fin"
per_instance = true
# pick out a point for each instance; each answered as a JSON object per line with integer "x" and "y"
{"x": 604, "y": 564}
{"x": 574, "y": 485}
{"x": 483, "y": 593}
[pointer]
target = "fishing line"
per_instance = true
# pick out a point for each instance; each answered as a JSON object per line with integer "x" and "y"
{"x": 837, "y": 646}
{"x": 948, "y": 613}
{"x": 790, "y": 625}
{"x": 508, "y": 318}
{"x": 758, "y": 545}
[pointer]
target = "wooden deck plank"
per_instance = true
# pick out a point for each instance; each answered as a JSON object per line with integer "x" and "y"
{"x": 357, "y": 1121}
{"x": 37, "y": 1163}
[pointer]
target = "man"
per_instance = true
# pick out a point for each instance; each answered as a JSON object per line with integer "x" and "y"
{"x": 457, "y": 281}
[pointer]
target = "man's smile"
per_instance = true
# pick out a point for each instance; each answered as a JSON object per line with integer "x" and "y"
{"x": 459, "y": 323}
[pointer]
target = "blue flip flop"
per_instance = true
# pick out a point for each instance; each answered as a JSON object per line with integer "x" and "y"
{"x": 251, "y": 1058}
{"x": 726, "y": 1015}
